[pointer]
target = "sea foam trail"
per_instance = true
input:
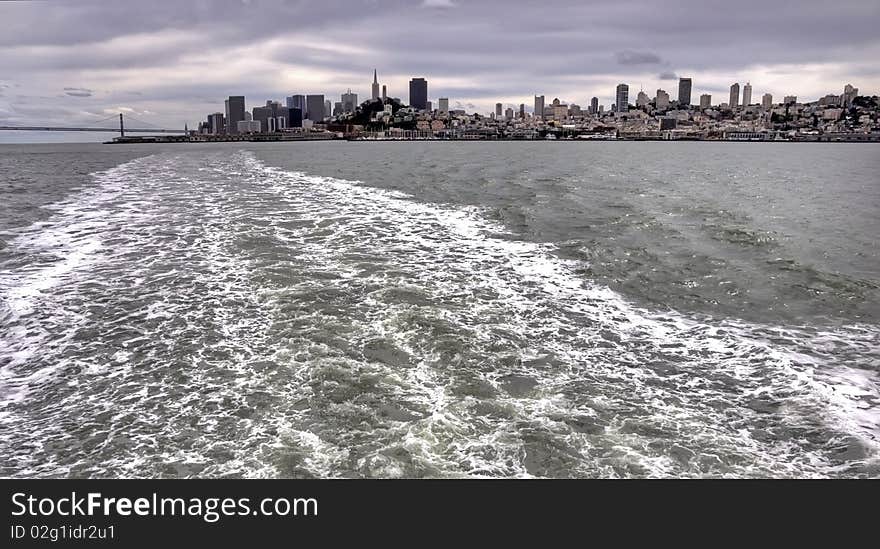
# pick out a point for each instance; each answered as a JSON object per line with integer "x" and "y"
{"x": 234, "y": 319}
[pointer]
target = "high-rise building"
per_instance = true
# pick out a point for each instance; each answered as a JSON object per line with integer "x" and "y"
{"x": 384, "y": 93}
{"x": 539, "y": 106}
{"x": 418, "y": 94}
{"x": 662, "y": 100}
{"x": 315, "y": 108}
{"x": 734, "y": 96}
{"x": 294, "y": 118}
{"x": 849, "y": 93}
{"x": 642, "y": 99}
{"x": 594, "y": 105}
{"x": 767, "y": 101}
{"x": 216, "y": 123}
{"x": 328, "y": 108}
{"x": 349, "y": 101}
{"x": 428, "y": 106}
{"x": 498, "y": 107}
{"x": 747, "y": 94}
{"x": 375, "y": 89}
{"x": 296, "y": 102}
{"x": 262, "y": 115}
{"x": 522, "y": 111}
{"x": 234, "y": 112}
{"x": 705, "y": 101}
{"x": 443, "y": 105}
{"x": 622, "y": 98}
{"x": 508, "y": 113}
{"x": 684, "y": 92}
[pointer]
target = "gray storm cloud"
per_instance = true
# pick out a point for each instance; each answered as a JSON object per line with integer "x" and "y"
{"x": 181, "y": 59}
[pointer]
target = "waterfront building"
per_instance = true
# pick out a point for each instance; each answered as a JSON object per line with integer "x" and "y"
{"x": 498, "y": 107}
{"x": 234, "y": 112}
{"x": 684, "y": 91}
{"x": 662, "y": 100}
{"x": 418, "y": 94}
{"x": 248, "y": 126}
{"x": 734, "y": 96}
{"x": 539, "y": 106}
{"x": 315, "y": 107}
{"x": 594, "y": 105}
{"x": 705, "y": 101}
{"x": 349, "y": 101}
{"x": 747, "y": 94}
{"x": 766, "y": 101}
{"x": 375, "y": 88}
{"x": 443, "y": 105}
{"x": 622, "y": 97}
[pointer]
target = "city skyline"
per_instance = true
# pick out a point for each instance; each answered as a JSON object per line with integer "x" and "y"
{"x": 95, "y": 58}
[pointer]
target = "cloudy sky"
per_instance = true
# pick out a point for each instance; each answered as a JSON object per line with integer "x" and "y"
{"x": 173, "y": 61}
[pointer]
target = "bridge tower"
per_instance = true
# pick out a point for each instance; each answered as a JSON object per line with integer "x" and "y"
{"x": 121, "y": 126}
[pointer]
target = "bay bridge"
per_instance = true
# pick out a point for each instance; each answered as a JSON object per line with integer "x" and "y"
{"x": 95, "y": 127}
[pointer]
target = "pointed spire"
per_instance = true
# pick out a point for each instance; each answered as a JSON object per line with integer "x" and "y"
{"x": 375, "y": 77}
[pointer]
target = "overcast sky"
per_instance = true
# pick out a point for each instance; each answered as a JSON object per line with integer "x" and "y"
{"x": 174, "y": 61}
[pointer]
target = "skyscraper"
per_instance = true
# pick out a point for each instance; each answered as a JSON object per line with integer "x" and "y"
{"x": 328, "y": 108}
{"x": 539, "y": 106}
{"x": 594, "y": 105}
{"x": 350, "y": 100}
{"x": 767, "y": 101}
{"x": 684, "y": 92}
{"x": 705, "y": 101}
{"x": 296, "y": 102}
{"x": 498, "y": 107}
{"x": 622, "y": 98}
{"x": 662, "y": 100}
{"x": 642, "y": 99}
{"x": 315, "y": 108}
{"x": 522, "y": 110}
{"x": 384, "y": 92}
{"x": 734, "y": 96}
{"x": 234, "y": 112}
{"x": 443, "y": 105}
{"x": 418, "y": 94}
{"x": 747, "y": 94}
{"x": 375, "y": 90}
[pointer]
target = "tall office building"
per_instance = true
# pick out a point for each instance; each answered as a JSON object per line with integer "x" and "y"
{"x": 767, "y": 101}
{"x": 262, "y": 115}
{"x": 498, "y": 108}
{"x": 384, "y": 93}
{"x": 705, "y": 101}
{"x": 294, "y": 118}
{"x": 539, "y": 106}
{"x": 216, "y": 123}
{"x": 315, "y": 108}
{"x": 349, "y": 101}
{"x": 642, "y": 99}
{"x": 328, "y": 108}
{"x": 662, "y": 100}
{"x": 522, "y": 110}
{"x": 747, "y": 94}
{"x": 508, "y": 113}
{"x": 622, "y": 98}
{"x": 443, "y": 105}
{"x": 734, "y": 96}
{"x": 375, "y": 89}
{"x": 684, "y": 91}
{"x": 234, "y": 112}
{"x": 296, "y": 102}
{"x": 418, "y": 94}
{"x": 594, "y": 105}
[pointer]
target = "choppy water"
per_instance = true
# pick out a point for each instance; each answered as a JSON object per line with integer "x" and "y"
{"x": 385, "y": 310}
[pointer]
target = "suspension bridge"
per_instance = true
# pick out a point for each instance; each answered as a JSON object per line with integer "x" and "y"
{"x": 146, "y": 127}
